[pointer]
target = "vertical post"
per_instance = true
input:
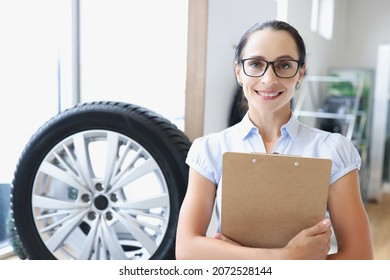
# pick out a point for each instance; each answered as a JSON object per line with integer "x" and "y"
{"x": 76, "y": 95}
{"x": 196, "y": 68}
{"x": 379, "y": 122}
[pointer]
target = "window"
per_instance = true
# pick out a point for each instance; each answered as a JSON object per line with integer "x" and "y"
{"x": 282, "y": 10}
{"x": 134, "y": 53}
{"x": 33, "y": 34}
{"x": 322, "y": 15}
{"x": 131, "y": 51}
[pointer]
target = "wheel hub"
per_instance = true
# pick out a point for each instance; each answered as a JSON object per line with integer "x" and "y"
{"x": 101, "y": 202}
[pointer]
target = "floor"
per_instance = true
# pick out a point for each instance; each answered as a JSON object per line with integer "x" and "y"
{"x": 379, "y": 215}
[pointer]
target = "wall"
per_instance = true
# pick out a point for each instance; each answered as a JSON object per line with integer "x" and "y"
{"x": 359, "y": 27}
{"x": 368, "y": 26}
{"x": 320, "y": 52}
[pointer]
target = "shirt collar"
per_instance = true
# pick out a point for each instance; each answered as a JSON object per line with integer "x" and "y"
{"x": 292, "y": 127}
{"x": 245, "y": 127}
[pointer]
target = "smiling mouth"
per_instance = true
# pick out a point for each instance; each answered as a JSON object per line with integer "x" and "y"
{"x": 268, "y": 94}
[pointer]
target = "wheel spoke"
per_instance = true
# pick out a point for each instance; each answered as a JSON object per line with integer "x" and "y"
{"x": 138, "y": 233}
{"x": 112, "y": 151}
{"x": 70, "y": 171}
{"x": 63, "y": 232}
{"x": 99, "y": 250}
{"x": 161, "y": 200}
{"x": 51, "y": 215}
{"x": 146, "y": 167}
{"x": 133, "y": 212}
{"x": 120, "y": 170}
{"x": 55, "y": 204}
{"x": 112, "y": 242}
{"x": 82, "y": 154}
{"x": 61, "y": 175}
{"x": 86, "y": 250}
{"x": 144, "y": 224}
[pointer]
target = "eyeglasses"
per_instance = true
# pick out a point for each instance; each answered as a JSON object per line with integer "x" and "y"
{"x": 256, "y": 67}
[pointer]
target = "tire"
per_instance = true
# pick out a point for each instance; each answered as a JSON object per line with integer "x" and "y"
{"x": 102, "y": 180}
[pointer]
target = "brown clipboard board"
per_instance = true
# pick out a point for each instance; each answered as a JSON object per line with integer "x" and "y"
{"x": 267, "y": 198}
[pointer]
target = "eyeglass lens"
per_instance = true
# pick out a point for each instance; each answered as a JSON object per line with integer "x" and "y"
{"x": 283, "y": 68}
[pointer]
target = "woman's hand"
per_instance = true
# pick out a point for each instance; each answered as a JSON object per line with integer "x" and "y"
{"x": 222, "y": 237}
{"x": 311, "y": 243}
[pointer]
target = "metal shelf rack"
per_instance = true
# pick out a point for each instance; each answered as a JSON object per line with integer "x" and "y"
{"x": 350, "y": 114}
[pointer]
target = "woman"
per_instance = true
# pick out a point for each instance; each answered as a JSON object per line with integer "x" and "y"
{"x": 269, "y": 65}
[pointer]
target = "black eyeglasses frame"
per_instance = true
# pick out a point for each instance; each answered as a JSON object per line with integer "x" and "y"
{"x": 242, "y": 61}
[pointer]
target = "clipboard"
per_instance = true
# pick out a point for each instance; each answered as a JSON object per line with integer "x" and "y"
{"x": 269, "y": 198}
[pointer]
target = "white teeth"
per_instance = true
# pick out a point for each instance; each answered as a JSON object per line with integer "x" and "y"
{"x": 268, "y": 94}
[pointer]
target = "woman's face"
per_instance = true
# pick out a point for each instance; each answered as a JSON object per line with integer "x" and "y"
{"x": 269, "y": 93}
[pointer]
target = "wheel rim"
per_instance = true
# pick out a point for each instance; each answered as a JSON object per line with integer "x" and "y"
{"x": 100, "y": 195}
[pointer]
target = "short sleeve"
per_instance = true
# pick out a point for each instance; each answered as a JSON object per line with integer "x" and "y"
{"x": 343, "y": 154}
{"x": 205, "y": 157}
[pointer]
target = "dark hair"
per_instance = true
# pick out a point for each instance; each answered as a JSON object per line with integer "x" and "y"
{"x": 274, "y": 25}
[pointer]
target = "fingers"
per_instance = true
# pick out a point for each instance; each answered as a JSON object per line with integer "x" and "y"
{"x": 221, "y": 237}
{"x": 322, "y": 233}
{"x": 319, "y": 228}
{"x": 311, "y": 243}
{"x": 326, "y": 222}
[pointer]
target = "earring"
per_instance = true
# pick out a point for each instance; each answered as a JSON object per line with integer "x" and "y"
{"x": 297, "y": 85}
{"x": 239, "y": 83}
